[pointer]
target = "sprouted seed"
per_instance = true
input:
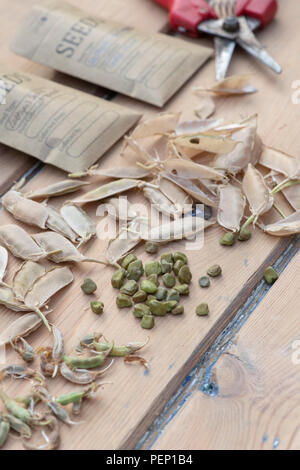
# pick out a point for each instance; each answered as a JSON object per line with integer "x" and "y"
{"x": 79, "y": 221}
{"x": 25, "y": 351}
{"x": 88, "y": 286}
{"x": 132, "y": 359}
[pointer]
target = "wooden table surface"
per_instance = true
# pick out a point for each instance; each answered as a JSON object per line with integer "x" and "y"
{"x": 131, "y": 406}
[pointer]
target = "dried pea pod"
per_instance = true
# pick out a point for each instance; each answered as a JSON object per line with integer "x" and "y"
{"x": 140, "y": 310}
{"x": 22, "y": 245}
{"x": 86, "y": 362}
{"x": 119, "y": 351}
{"x": 152, "y": 267}
{"x": 148, "y": 322}
{"x": 79, "y": 221}
{"x": 118, "y": 278}
{"x": 129, "y": 288}
{"x": 3, "y": 265}
{"x": 148, "y": 286}
{"x": 25, "y": 277}
{"x": 4, "y": 430}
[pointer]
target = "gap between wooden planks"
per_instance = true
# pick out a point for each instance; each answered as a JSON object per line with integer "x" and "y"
{"x": 128, "y": 407}
{"x": 14, "y": 164}
{"x": 257, "y": 406}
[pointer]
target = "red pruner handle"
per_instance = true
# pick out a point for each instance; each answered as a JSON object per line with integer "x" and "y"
{"x": 263, "y": 10}
{"x": 186, "y": 15}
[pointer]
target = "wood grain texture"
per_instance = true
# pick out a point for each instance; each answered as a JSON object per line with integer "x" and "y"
{"x": 257, "y": 406}
{"x": 125, "y": 409}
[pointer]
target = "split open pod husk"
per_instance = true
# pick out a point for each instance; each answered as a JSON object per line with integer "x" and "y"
{"x": 257, "y": 192}
{"x": 107, "y": 190}
{"x": 280, "y": 162}
{"x": 3, "y": 264}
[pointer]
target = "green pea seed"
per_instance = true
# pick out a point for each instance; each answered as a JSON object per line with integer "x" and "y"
{"x": 127, "y": 260}
{"x": 88, "y": 286}
{"x": 148, "y": 287}
{"x": 173, "y": 295}
{"x": 166, "y": 267}
{"x": 151, "y": 247}
{"x": 149, "y": 298}
{"x": 170, "y": 305}
{"x": 123, "y": 301}
{"x": 97, "y": 307}
{"x": 202, "y": 310}
{"x": 139, "y": 310}
{"x": 161, "y": 293}
{"x": 177, "y": 266}
{"x": 139, "y": 297}
{"x": 178, "y": 310}
{"x": 135, "y": 270}
{"x": 270, "y": 275}
{"x": 182, "y": 289}
{"x": 118, "y": 278}
{"x": 228, "y": 239}
{"x": 148, "y": 322}
{"x": 129, "y": 288}
{"x": 178, "y": 256}
{"x": 153, "y": 267}
{"x": 169, "y": 280}
{"x": 185, "y": 275}
{"x": 244, "y": 235}
{"x": 204, "y": 281}
{"x": 214, "y": 271}
{"x": 157, "y": 308}
{"x": 153, "y": 278}
{"x": 167, "y": 257}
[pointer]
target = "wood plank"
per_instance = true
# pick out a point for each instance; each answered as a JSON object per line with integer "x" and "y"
{"x": 128, "y": 407}
{"x": 257, "y": 406}
{"x": 14, "y": 164}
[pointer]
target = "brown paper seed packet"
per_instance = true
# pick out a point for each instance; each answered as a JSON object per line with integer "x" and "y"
{"x": 57, "y": 124}
{"x": 150, "y": 68}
